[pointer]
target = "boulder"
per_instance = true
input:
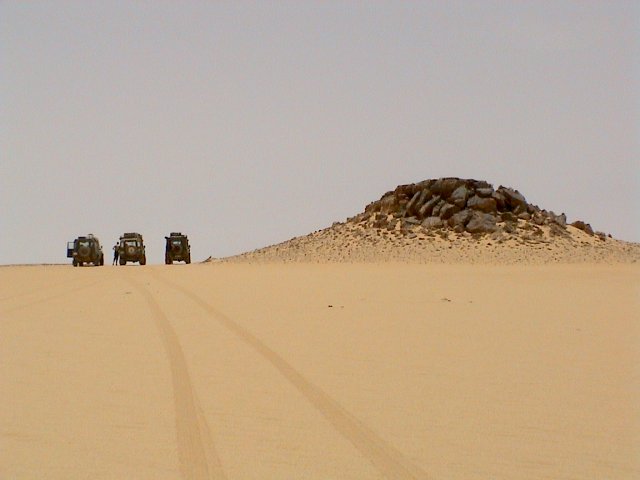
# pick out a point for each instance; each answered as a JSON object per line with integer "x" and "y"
{"x": 500, "y": 200}
{"x": 476, "y": 184}
{"x": 412, "y": 202}
{"x": 433, "y": 222}
{"x": 524, "y": 216}
{"x": 388, "y": 203}
{"x": 460, "y": 219}
{"x": 445, "y": 186}
{"x": 447, "y": 211}
{"x": 508, "y": 217}
{"x": 424, "y": 184}
{"x": 427, "y": 208}
{"x": 521, "y": 209}
{"x": 486, "y": 205}
{"x": 436, "y": 209}
{"x": 513, "y": 198}
{"x": 538, "y": 218}
{"x": 481, "y": 223}
{"x": 459, "y": 196}
{"x": 560, "y": 219}
{"x": 585, "y": 227}
{"x": 372, "y": 208}
{"x": 405, "y": 190}
{"x": 484, "y": 192}
{"x": 424, "y": 196}
{"x": 411, "y": 221}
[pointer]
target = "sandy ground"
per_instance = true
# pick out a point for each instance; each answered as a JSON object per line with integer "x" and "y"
{"x": 331, "y": 371}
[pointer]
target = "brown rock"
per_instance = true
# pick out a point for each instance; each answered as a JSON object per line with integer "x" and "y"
{"x": 481, "y": 223}
{"x": 427, "y": 208}
{"x": 585, "y": 227}
{"x": 445, "y": 186}
{"x": 433, "y": 222}
{"x": 459, "y": 196}
{"x": 412, "y": 202}
{"x": 460, "y": 218}
{"x": 388, "y": 203}
{"x": 508, "y": 217}
{"x": 513, "y": 198}
{"x": 436, "y": 209}
{"x": 500, "y": 200}
{"x": 484, "y": 192}
{"x": 448, "y": 210}
{"x": 486, "y": 205}
{"x": 560, "y": 219}
{"x": 538, "y": 218}
{"x": 424, "y": 196}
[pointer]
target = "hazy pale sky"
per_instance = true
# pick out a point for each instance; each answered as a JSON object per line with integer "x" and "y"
{"x": 244, "y": 124}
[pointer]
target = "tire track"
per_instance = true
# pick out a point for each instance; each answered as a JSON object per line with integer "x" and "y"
{"x": 196, "y": 453}
{"x": 387, "y": 459}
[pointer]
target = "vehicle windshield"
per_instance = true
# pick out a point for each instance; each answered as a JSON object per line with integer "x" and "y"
{"x": 176, "y": 242}
{"x": 83, "y": 243}
{"x": 131, "y": 243}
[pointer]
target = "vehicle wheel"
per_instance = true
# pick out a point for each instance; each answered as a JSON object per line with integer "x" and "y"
{"x": 101, "y": 260}
{"x": 143, "y": 260}
{"x": 74, "y": 262}
{"x": 188, "y": 259}
{"x": 167, "y": 260}
{"x": 80, "y": 263}
{"x": 123, "y": 261}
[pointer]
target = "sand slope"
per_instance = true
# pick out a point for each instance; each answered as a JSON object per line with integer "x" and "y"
{"x": 530, "y": 245}
{"x": 320, "y": 371}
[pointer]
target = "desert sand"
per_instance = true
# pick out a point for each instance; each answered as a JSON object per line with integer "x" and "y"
{"x": 260, "y": 369}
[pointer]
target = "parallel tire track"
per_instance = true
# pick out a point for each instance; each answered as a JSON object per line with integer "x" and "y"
{"x": 196, "y": 453}
{"x": 388, "y": 460}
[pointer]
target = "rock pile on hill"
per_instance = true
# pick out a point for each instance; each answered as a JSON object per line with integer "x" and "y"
{"x": 451, "y": 220}
{"x": 461, "y": 205}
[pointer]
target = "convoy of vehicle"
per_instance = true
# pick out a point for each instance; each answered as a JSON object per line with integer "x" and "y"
{"x": 86, "y": 250}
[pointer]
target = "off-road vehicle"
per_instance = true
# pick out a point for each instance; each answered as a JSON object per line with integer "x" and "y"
{"x": 85, "y": 250}
{"x": 177, "y": 249}
{"x": 131, "y": 249}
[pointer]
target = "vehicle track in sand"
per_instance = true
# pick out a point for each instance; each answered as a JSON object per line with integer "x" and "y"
{"x": 389, "y": 461}
{"x": 196, "y": 452}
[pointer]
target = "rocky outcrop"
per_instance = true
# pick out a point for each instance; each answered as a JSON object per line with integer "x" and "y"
{"x": 461, "y": 205}
{"x": 585, "y": 227}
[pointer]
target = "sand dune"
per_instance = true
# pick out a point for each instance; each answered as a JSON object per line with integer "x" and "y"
{"x": 349, "y": 371}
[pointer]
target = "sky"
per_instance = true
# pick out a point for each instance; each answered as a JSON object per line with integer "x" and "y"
{"x": 244, "y": 124}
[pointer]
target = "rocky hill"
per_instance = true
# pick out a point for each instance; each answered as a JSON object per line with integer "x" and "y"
{"x": 452, "y": 220}
{"x": 462, "y": 205}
